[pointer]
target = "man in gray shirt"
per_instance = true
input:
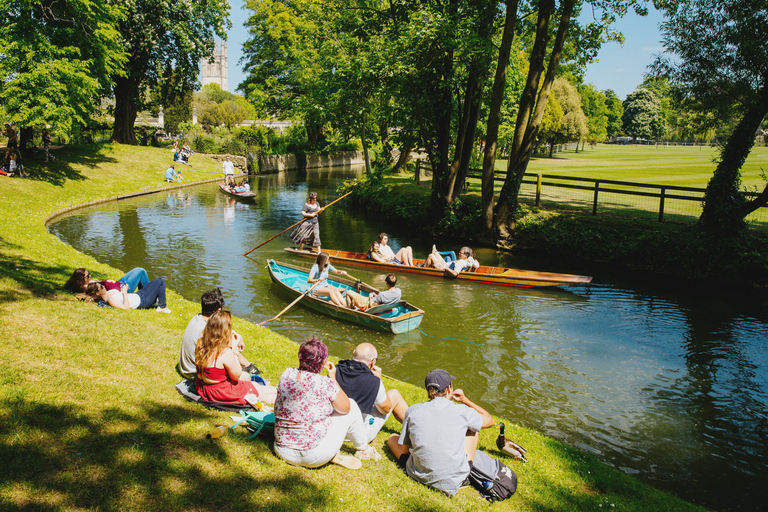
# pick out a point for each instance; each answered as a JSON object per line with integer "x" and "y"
{"x": 389, "y": 296}
{"x": 439, "y": 438}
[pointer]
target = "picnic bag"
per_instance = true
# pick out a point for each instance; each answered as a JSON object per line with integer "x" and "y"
{"x": 256, "y": 422}
{"x": 492, "y": 478}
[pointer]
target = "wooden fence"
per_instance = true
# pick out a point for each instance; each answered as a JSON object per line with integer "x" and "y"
{"x": 642, "y": 200}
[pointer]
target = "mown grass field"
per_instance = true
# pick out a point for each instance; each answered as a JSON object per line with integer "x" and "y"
{"x": 89, "y": 418}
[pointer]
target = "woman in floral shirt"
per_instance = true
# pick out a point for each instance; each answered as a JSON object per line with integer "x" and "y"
{"x": 313, "y": 416}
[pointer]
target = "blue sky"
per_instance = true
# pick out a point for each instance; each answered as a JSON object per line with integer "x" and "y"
{"x": 619, "y": 67}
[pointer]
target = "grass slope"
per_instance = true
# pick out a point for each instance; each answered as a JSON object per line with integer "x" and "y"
{"x": 89, "y": 419}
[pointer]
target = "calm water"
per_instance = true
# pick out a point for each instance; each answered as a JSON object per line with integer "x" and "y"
{"x": 668, "y": 384}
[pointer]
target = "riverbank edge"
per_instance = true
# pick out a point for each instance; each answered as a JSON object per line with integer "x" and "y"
{"x": 35, "y": 264}
{"x": 635, "y": 247}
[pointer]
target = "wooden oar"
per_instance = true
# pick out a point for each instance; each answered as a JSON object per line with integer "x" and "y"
{"x": 294, "y": 225}
{"x": 291, "y": 304}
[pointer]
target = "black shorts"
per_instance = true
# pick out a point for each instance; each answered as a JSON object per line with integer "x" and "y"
{"x": 403, "y": 460}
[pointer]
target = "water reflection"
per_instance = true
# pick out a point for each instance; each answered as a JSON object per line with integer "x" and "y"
{"x": 671, "y": 385}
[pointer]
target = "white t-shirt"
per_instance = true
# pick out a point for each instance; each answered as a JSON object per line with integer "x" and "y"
{"x": 228, "y": 167}
{"x": 461, "y": 264}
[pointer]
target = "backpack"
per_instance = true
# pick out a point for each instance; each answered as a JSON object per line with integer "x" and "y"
{"x": 256, "y": 422}
{"x": 492, "y": 478}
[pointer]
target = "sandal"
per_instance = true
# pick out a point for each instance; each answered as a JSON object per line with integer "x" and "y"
{"x": 369, "y": 453}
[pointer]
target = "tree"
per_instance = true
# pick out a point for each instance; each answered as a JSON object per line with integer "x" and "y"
{"x": 57, "y": 60}
{"x": 593, "y": 104}
{"x": 163, "y": 38}
{"x": 582, "y": 47}
{"x": 551, "y": 123}
{"x": 614, "y": 109}
{"x": 573, "y": 125}
{"x": 718, "y": 59}
{"x": 642, "y": 117}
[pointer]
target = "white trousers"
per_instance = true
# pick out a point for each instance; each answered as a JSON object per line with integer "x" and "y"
{"x": 347, "y": 427}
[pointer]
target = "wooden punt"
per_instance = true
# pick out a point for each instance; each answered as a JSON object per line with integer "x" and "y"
{"x": 483, "y": 274}
{"x": 239, "y": 195}
{"x": 398, "y": 317}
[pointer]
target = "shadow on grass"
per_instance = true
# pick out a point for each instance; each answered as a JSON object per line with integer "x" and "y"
{"x": 119, "y": 460}
{"x": 61, "y": 169}
{"x": 36, "y": 277}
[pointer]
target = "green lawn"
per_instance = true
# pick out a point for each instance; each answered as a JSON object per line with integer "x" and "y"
{"x": 89, "y": 419}
{"x": 663, "y": 165}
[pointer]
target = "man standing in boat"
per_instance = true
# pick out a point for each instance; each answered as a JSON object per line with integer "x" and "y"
{"x": 228, "y": 168}
{"x": 360, "y": 379}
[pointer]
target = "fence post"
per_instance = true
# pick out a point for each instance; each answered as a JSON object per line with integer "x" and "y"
{"x": 594, "y": 202}
{"x": 538, "y": 190}
{"x": 418, "y": 171}
{"x": 661, "y": 204}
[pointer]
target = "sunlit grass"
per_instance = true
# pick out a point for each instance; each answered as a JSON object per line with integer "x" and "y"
{"x": 89, "y": 418}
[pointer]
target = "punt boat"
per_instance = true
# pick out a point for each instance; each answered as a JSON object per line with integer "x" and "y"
{"x": 397, "y": 317}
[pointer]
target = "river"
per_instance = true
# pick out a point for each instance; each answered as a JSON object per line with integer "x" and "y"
{"x": 664, "y": 382}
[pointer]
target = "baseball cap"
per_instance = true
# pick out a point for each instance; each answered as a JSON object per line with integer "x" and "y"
{"x": 439, "y": 379}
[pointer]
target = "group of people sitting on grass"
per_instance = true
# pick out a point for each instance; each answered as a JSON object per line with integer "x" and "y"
{"x": 380, "y": 251}
{"x": 315, "y": 413}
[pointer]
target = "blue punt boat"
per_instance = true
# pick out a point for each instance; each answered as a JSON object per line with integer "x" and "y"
{"x": 397, "y": 317}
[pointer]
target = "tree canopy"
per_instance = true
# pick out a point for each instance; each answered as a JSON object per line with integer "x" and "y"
{"x": 165, "y": 42}
{"x": 57, "y": 60}
{"x": 642, "y": 116}
{"x": 717, "y": 59}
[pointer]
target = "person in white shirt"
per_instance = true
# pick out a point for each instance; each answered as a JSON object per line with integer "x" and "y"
{"x": 228, "y": 168}
{"x": 466, "y": 260}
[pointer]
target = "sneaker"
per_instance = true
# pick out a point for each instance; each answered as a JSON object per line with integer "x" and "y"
{"x": 250, "y": 368}
{"x": 162, "y": 310}
{"x": 346, "y": 461}
{"x": 369, "y": 453}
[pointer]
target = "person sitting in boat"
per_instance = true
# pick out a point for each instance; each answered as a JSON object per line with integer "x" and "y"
{"x": 80, "y": 278}
{"x": 313, "y": 415}
{"x": 121, "y": 299}
{"x": 385, "y": 254}
{"x": 210, "y": 302}
{"x": 218, "y": 368}
{"x": 360, "y": 379}
{"x": 391, "y": 295}
{"x": 465, "y": 261}
{"x": 241, "y": 187}
{"x": 319, "y": 274}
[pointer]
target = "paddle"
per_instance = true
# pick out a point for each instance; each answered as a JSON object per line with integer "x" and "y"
{"x": 291, "y": 304}
{"x": 294, "y": 225}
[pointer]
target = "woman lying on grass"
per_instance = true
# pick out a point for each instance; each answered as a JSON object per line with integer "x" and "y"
{"x": 218, "y": 368}
{"x": 80, "y": 278}
{"x": 121, "y": 299}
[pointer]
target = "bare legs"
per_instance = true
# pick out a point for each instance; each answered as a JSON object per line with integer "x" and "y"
{"x": 333, "y": 293}
{"x": 405, "y": 255}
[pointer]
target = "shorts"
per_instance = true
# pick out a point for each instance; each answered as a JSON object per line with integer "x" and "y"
{"x": 396, "y": 261}
{"x": 358, "y": 301}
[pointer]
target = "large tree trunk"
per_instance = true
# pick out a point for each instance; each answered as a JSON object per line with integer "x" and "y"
{"x": 465, "y": 136}
{"x": 724, "y": 205}
{"x": 405, "y": 156}
{"x": 438, "y": 150}
{"x": 494, "y": 114}
{"x": 125, "y": 113}
{"x": 529, "y": 119}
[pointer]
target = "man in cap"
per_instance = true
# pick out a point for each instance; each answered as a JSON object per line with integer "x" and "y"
{"x": 360, "y": 379}
{"x": 439, "y": 438}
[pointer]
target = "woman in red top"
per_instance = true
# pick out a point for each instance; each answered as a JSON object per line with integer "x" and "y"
{"x": 218, "y": 369}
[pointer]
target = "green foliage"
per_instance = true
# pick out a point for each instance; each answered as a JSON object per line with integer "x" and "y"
{"x": 56, "y": 60}
{"x": 593, "y": 103}
{"x": 614, "y": 111}
{"x": 166, "y": 42}
{"x": 573, "y": 125}
{"x": 642, "y": 115}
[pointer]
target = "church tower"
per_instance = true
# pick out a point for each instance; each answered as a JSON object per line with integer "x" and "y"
{"x": 216, "y": 72}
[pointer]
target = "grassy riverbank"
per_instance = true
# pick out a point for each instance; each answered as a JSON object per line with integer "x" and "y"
{"x": 90, "y": 419}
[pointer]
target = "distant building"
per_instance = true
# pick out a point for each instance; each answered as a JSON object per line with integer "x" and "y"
{"x": 216, "y": 72}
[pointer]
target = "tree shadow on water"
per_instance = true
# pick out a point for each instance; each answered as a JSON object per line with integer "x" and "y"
{"x": 61, "y": 169}
{"x": 57, "y": 458}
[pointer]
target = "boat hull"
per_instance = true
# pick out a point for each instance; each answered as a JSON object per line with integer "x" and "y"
{"x": 292, "y": 280}
{"x": 499, "y": 276}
